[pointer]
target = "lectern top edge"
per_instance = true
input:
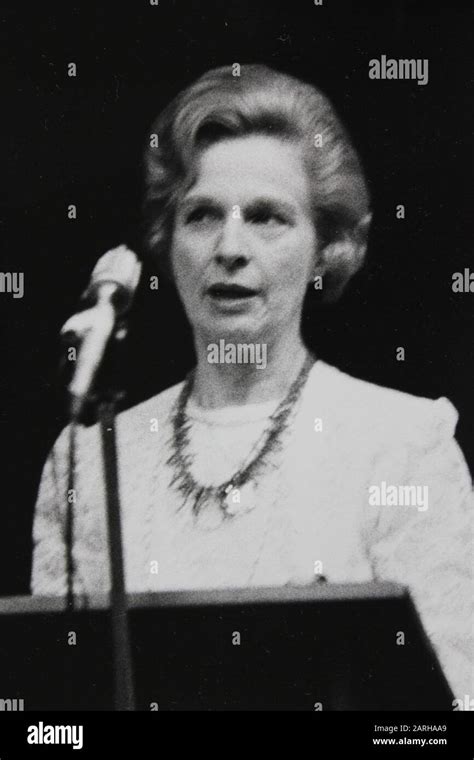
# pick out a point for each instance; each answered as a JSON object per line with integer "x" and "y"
{"x": 317, "y": 592}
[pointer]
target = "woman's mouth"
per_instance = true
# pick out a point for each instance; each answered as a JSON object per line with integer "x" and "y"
{"x": 231, "y": 291}
{"x": 231, "y": 296}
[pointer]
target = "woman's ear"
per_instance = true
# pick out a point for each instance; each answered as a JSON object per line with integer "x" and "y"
{"x": 361, "y": 230}
{"x": 347, "y": 253}
{"x": 340, "y": 259}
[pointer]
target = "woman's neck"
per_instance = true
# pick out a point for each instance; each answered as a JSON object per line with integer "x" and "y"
{"x": 218, "y": 384}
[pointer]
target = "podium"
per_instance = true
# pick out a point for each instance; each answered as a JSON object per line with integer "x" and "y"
{"x": 317, "y": 647}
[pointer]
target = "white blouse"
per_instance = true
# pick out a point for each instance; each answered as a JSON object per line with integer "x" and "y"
{"x": 331, "y": 500}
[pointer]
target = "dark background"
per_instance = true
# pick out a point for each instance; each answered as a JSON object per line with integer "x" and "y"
{"x": 79, "y": 140}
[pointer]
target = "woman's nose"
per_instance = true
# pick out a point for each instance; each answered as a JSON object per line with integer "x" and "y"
{"x": 230, "y": 246}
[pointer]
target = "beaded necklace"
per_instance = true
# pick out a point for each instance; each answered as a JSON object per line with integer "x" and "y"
{"x": 180, "y": 460}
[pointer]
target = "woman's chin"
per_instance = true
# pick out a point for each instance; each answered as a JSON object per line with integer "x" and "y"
{"x": 236, "y": 329}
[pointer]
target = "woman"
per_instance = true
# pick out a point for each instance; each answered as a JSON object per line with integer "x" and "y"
{"x": 266, "y": 472}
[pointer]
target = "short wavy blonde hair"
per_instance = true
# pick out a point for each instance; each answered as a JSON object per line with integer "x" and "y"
{"x": 261, "y": 100}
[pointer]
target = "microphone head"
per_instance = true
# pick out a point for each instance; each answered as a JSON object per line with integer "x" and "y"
{"x": 120, "y": 267}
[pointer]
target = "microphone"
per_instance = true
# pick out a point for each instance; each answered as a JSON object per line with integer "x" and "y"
{"x": 110, "y": 293}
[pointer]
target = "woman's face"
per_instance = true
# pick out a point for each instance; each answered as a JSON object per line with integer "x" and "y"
{"x": 244, "y": 243}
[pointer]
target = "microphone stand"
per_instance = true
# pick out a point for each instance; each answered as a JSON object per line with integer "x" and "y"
{"x": 113, "y": 282}
{"x": 122, "y": 660}
{"x": 124, "y": 698}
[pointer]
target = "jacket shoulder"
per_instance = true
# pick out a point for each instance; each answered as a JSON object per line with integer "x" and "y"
{"x": 156, "y": 406}
{"x": 131, "y": 424}
{"x": 386, "y": 411}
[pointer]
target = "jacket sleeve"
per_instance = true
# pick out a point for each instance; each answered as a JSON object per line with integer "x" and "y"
{"x": 430, "y": 547}
{"x": 48, "y": 576}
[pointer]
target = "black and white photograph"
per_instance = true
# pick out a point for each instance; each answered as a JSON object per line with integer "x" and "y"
{"x": 237, "y": 418}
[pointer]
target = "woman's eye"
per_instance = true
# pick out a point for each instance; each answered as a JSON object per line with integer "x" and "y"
{"x": 200, "y": 214}
{"x": 266, "y": 217}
